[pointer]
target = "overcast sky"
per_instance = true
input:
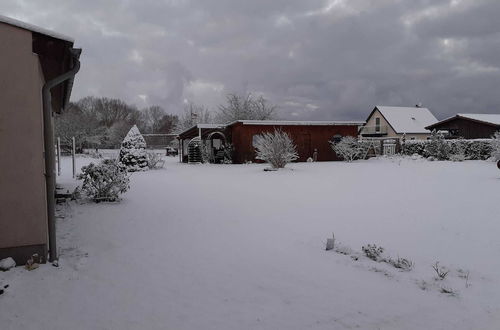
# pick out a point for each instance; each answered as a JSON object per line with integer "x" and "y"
{"x": 315, "y": 59}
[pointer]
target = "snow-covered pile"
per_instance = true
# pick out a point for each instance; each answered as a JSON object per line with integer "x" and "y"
{"x": 7, "y": 263}
{"x": 133, "y": 151}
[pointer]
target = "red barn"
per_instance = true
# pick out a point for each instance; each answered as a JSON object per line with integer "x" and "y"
{"x": 307, "y": 136}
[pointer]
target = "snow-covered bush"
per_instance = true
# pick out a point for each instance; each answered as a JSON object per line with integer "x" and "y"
{"x": 205, "y": 152}
{"x": 373, "y": 252}
{"x": 414, "y": 147}
{"x": 437, "y": 147}
{"x": 479, "y": 149}
{"x": 275, "y": 148}
{"x": 348, "y": 148}
{"x": 133, "y": 151}
{"x": 401, "y": 263}
{"x": 228, "y": 153}
{"x": 154, "y": 160}
{"x": 495, "y": 146}
{"x": 457, "y": 150}
{"x": 105, "y": 181}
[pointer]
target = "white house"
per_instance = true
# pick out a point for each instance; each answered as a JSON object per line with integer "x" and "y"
{"x": 394, "y": 122}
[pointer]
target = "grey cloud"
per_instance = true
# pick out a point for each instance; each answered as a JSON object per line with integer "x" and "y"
{"x": 316, "y": 59}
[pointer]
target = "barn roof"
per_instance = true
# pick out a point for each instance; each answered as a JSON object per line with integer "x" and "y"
{"x": 34, "y": 28}
{"x": 407, "y": 119}
{"x": 485, "y": 118}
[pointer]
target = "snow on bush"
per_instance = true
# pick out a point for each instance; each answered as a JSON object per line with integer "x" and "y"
{"x": 437, "y": 148}
{"x": 154, "y": 160}
{"x": 373, "y": 252}
{"x": 457, "y": 151}
{"x": 7, "y": 263}
{"x": 349, "y": 148}
{"x": 105, "y": 181}
{"x": 133, "y": 151}
{"x": 401, "y": 263}
{"x": 479, "y": 149}
{"x": 228, "y": 153}
{"x": 275, "y": 148}
{"x": 495, "y": 146}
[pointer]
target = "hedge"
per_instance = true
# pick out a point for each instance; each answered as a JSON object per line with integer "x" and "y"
{"x": 479, "y": 149}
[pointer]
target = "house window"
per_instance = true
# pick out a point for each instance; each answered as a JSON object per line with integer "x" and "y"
{"x": 336, "y": 138}
{"x": 377, "y": 124}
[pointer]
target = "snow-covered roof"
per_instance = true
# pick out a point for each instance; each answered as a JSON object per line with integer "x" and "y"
{"x": 34, "y": 28}
{"x": 210, "y": 125}
{"x": 408, "y": 119}
{"x": 206, "y": 126}
{"x": 296, "y": 123}
{"x": 491, "y": 118}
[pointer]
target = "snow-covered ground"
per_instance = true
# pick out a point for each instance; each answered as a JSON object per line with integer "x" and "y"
{"x": 234, "y": 247}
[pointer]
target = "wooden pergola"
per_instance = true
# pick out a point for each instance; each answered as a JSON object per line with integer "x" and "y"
{"x": 201, "y": 131}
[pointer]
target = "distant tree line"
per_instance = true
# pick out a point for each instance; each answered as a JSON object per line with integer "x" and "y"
{"x": 102, "y": 122}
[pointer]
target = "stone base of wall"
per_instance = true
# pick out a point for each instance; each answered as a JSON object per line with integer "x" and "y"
{"x": 22, "y": 253}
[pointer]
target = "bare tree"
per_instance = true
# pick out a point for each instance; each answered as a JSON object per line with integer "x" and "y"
{"x": 73, "y": 122}
{"x": 107, "y": 110}
{"x": 245, "y": 108}
{"x": 152, "y": 118}
{"x": 193, "y": 114}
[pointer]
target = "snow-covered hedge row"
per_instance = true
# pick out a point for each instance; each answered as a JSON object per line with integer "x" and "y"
{"x": 446, "y": 149}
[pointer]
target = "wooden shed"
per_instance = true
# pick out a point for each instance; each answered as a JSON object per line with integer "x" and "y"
{"x": 307, "y": 136}
{"x": 469, "y": 125}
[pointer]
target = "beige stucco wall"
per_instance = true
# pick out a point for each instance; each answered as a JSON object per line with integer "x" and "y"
{"x": 23, "y": 215}
{"x": 390, "y": 132}
{"x": 371, "y": 122}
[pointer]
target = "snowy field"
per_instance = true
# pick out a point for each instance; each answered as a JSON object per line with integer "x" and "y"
{"x": 234, "y": 247}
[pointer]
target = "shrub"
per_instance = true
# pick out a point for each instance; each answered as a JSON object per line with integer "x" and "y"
{"x": 349, "y": 148}
{"x": 105, "y": 181}
{"x": 457, "y": 150}
{"x": 413, "y": 147}
{"x": 154, "y": 160}
{"x": 437, "y": 147}
{"x": 495, "y": 146}
{"x": 133, "y": 151}
{"x": 401, "y": 263}
{"x": 479, "y": 149}
{"x": 276, "y": 148}
{"x": 440, "y": 271}
{"x": 373, "y": 252}
{"x": 228, "y": 153}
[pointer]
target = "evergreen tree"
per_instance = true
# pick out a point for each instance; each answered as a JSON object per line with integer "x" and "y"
{"x": 133, "y": 151}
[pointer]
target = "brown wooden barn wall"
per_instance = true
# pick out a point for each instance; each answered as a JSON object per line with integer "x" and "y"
{"x": 468, "y": 129}
{"x": 306, "y": 137}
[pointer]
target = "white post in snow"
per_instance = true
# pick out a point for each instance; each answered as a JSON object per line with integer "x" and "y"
{"x": 58, "y": 155}
{"x": 73, "y": 151}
